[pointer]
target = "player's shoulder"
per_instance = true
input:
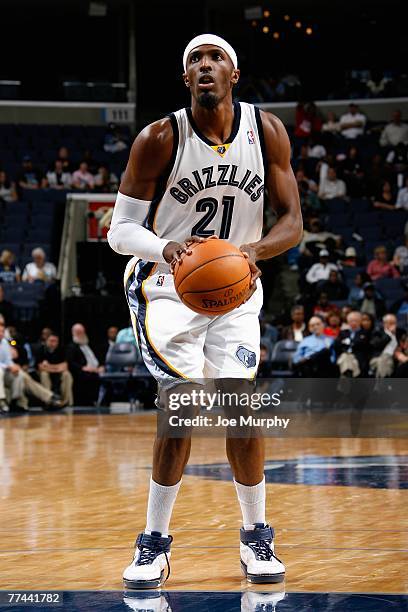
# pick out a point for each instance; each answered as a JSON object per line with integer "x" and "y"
{"x": 271, "y": 123}
{"x": 155, "y": 141}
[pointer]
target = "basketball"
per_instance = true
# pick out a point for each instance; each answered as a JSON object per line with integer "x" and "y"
{"x": 214, "y": 279}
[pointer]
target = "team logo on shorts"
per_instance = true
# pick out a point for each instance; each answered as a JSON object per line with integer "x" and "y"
{"x": 160, "y": 280}
{"x": 251, "y": 137}
{"x": 247, "y": 357}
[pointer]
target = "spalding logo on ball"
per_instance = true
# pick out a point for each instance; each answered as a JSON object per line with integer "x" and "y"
{"x": 214, "y": 279}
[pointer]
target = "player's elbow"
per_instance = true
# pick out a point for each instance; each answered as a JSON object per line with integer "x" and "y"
{"x": 113, "y": 240}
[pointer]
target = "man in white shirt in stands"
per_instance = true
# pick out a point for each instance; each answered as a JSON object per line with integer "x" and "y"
{"x": 402, "y": 198}
{"x": 321, "y": 271}
{"x": 394, "y": 132}
{"x": 39, "y": 268}
{"x": 329, "y": 185}
{"x": 352, "y": 124}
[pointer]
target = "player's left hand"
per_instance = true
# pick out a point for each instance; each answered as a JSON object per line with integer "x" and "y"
{"x": 250, "y": 254}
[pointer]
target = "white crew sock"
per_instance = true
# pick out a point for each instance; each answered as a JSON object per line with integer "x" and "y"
{"x": 252, "y": 502}
{"x": 160, "y": 507}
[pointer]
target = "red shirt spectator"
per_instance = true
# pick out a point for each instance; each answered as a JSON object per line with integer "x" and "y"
{"x": 380, "y": 267}
{"x": 306, "y": 120}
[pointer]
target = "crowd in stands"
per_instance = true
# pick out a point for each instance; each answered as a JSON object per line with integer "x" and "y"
{"x": 351, "y": 312}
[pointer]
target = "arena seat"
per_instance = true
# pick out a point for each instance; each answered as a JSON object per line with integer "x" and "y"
{"x": 360, "y": 205}
{"x": 367, "y": 219}
{"x": 282, "y": 356}
{"x": 336, "y": 205}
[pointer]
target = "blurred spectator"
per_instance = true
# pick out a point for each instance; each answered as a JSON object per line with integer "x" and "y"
{"x": 59, "y": 178}
{"x": 352, "y": 348}
{"x": 400, "y": 307}
{"x": 114, "y": 140}
{"x": 401, "y": 357}
{"x": 353, "y": 173}
{"x": 321, "y": 271}
{"x": 9, "y": 272}
{"x": 400, "y": 259}
{"x": 264, "y": 368}
{"x": 82, "y": 178}
{"x": 53, "y": 369}
{"x": 376, "y": 173}
{"x": 64, "y": 156}
{"x": 334, "y": 287}
{"x": 402, "y": 198}
{"x": 30, "y": 177}
{"x": 380, "y": 267}
{"x": 315, "y": 237}
{"x": 323, "y": 307}
{"x": 105, "y": 181}
{"x": 352, "y": 124}
{"x": 89, "y": 159}
{"x": 126, "y": 334}
{"x": 345, "y": 310}
{"x": 333, "y": 324}
{"x": 36, "y": 347}
{"x": 384, "y": 343}
{"x": 357, "y": 292}
{"x": 301, "y": 177}
{"x": 8, "y": 191}
{"x": 397, "y": 162}
{"x": 371, "y": 302}
{"x": 331, "y": 125}
{"x": 109, "y": 340}
{"x": 39, "y": 269}
{"x": 297, "y": 330}
{"x": 367, "y": 323}
{"x": 385, "y": 198}
{"x": 350, "y": 258}
{"x": 6, "y": 308}
{"x": 18, "y": 382}
{"x": 394, "y": 132}
{"x": 314, "y": 355}
{"x": 316, "y": 149}
{"x": 307, "y": 120}
{"x": 308, "y": 198}
{"x": 329, "y": 185}
{"x": 84, "y": 367}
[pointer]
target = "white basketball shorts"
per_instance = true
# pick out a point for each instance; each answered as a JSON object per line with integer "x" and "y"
{"x": 178, "y": 344}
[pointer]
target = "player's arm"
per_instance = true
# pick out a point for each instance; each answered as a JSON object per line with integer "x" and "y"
{"x": 282, "y": 192}
{"x": 148, "y": 161}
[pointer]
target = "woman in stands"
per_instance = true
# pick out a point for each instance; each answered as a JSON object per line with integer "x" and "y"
{"x": 9, "y": 272}
{"x": 7, "y": 188}
{"x": 385, "y": 198}
{"x": 380, "y": 267}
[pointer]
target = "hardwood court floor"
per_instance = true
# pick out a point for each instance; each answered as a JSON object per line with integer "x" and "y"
{"x": 73, "y": 498}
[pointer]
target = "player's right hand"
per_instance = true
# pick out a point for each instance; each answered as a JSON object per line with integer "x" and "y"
{"x": 173, "y": 251}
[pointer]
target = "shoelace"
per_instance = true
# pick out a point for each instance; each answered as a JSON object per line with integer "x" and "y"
{"x": 262, "y": 550}
{"x": 148, "y": 555}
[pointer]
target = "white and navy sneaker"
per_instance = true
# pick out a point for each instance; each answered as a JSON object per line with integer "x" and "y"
{"x": 252, "y": 601}
{"x": 147, "y": 570}
{"x": 258, "y": 560}
{"x": 147, "y": 601}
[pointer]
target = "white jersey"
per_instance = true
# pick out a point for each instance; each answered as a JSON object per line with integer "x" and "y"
{"x": 213, "y": 188}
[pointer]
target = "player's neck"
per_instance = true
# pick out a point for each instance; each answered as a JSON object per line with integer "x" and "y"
{"x": 216, "y": 123}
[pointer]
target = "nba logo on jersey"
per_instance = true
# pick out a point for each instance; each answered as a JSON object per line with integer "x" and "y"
{"x": 251, "y": 137}
{"x": 160, "y": 280}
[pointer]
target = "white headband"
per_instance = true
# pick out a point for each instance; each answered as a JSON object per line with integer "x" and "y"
{"x": 210, "y": 39}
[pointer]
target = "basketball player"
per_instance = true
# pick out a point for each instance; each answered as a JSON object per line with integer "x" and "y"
{"x": 198, "y": 173}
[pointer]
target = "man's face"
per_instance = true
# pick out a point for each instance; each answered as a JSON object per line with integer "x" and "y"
{"x": 52, "y": 342}
{"x": 396, "y": 117}
{"x": 316, "y": 326}
{"x": 331, "y": 174}
{"x": 353, "y": 109}
{"x": 27, "y": 166}
{"x": 333, "y": 276}
{"x": 83, "y": 167}
{"x": 390, "y": 323}
{"x": 354, "y": 320}
{"x": 45, "y": 333}
{"x": 298, "y": 315}
{"x": 112, "y": 333}
{"x": 210, "y": 75}
{"x": 2, "y": 328}
{"x": 263, "y": 355}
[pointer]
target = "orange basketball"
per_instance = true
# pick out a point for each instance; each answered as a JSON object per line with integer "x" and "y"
{"x": 214, "y": 278}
